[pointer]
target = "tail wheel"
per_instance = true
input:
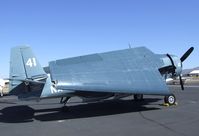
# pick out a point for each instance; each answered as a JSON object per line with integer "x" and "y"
{"x": 138, "y": 97}
{"x": 170, "y": 99}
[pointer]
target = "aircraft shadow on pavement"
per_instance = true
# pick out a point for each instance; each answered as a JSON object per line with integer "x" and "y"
{"x": 23, "y": 113}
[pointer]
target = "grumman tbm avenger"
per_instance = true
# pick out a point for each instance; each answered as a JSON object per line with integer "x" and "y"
{"x": 96, "y": 77}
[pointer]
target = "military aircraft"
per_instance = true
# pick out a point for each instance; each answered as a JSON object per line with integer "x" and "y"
{"x": 96, "y": 77}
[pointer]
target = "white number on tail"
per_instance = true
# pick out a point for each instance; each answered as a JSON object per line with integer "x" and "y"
{"x": 31, "y": 62}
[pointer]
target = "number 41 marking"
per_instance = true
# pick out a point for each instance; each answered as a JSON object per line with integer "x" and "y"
{"x": 31, "y": 62}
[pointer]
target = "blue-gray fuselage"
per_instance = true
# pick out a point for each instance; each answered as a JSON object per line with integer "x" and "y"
{"x": 115, "y": 73}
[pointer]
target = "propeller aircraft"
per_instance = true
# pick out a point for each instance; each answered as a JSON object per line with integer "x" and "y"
{"x": 96, "y": 77}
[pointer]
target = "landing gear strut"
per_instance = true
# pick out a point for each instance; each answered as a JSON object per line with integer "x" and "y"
{"x": 170, "y": 99}
{"x": 138, "y": 97}
{"x": 64, "y": 100}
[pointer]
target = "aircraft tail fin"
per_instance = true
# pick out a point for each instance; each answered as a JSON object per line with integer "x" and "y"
{"x": 25, "y": 71}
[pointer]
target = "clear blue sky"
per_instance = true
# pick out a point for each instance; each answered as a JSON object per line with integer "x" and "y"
{"x": 64, "y": 28}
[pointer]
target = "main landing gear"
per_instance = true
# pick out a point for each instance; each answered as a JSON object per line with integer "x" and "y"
{"x": 64, "y": 101}
{"x": 170, "y": 100}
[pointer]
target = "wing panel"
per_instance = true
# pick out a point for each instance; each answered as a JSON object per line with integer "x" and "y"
{"x": 125, "y": 71}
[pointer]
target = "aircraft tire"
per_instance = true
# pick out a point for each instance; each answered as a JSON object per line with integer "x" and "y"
{"x": 170, "y": 99}
{"x": 138, "y": 97}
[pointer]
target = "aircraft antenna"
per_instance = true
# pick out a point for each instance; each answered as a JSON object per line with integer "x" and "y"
{"x": 130, "y": 45}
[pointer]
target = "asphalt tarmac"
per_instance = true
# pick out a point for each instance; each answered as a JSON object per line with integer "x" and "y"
{"x": 110, "y": 118}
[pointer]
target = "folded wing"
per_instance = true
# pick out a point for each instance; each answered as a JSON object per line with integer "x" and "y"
{"x": 133, "y": 71}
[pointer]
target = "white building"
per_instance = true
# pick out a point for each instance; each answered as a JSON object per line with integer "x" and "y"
{"x": 194, "y": 73}
{"x": 191, "y": 72}
{"x": 4, "y": 84}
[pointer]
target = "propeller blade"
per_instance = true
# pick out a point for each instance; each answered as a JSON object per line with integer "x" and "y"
{"x": 189, "y": 51}
{"x": 181, "y": 83}
{"x": 173, "y": 68}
